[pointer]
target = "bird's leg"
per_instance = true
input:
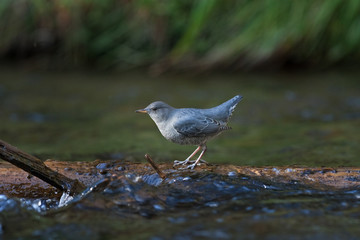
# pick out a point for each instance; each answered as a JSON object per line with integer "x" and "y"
{"x": 192, "y": 166}
{"x": 176, "y": 162}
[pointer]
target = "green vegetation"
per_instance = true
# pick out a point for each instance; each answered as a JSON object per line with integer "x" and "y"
{"x": 181, "y": 34}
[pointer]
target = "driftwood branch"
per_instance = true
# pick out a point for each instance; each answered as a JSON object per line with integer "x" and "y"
{"x": 36, "y": 167}
{"x": 153, "y": 164}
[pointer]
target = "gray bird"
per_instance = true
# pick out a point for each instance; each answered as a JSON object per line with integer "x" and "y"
{"x": 191, "y": 126}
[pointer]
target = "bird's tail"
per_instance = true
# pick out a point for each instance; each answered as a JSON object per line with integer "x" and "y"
{"x": 232, "y": 103}
{"x": 225, "y": 110}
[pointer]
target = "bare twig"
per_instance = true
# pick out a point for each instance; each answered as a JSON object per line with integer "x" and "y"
{"x": 36, "y": 167}
{"x": 153, "y": 164}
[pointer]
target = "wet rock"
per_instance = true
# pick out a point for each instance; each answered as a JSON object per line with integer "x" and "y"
{"x": 212, "y": 204}
{"x": 328, "y": 170}
{"x": 353, "y": 179}
{"x": 102, "y": 166}
{"x": 152, "y": 179}
{"x": 121, "y": 168}
{"x": 158, "y": 207}
{"x": 307, "y": 172}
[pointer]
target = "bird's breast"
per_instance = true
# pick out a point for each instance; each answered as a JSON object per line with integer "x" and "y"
{"x": 167, "y": 130}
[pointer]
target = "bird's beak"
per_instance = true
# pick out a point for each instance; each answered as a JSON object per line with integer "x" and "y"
{"x": 142, "y": 111}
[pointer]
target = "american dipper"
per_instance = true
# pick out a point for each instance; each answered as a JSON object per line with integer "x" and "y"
{"x": 191, "y": 126}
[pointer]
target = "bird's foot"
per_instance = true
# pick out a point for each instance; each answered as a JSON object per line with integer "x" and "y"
{"x": 193, "y": 164}
{"x": 200, "y": 161}
{"x": 177, "y": 162}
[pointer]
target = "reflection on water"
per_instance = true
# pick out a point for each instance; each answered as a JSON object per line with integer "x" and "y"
{"x": 305, "y": 119}
{"x": 186, "y": 207}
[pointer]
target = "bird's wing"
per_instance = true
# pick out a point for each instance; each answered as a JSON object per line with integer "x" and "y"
{"x": 199, "y": 127}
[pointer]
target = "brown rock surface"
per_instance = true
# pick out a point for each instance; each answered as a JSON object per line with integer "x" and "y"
{"x": 17, "y": 183}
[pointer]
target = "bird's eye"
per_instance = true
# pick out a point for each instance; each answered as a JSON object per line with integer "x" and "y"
{"x": 155, "y": 108}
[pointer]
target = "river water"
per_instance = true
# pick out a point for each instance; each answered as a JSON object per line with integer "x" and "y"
{"x": 302, "y": 119}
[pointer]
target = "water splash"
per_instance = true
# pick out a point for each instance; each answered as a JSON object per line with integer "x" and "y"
{"x": 65, "y": 199}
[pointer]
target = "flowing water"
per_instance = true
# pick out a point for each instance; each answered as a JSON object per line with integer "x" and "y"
{"x": 197, "y": 206}
{"x": 284, "y": 119}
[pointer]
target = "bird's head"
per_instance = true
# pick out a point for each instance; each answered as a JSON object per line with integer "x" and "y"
{"x": 158, "y": 111}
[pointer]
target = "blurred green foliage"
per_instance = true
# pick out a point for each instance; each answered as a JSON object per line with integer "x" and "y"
{"x": 181, "y": 34}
